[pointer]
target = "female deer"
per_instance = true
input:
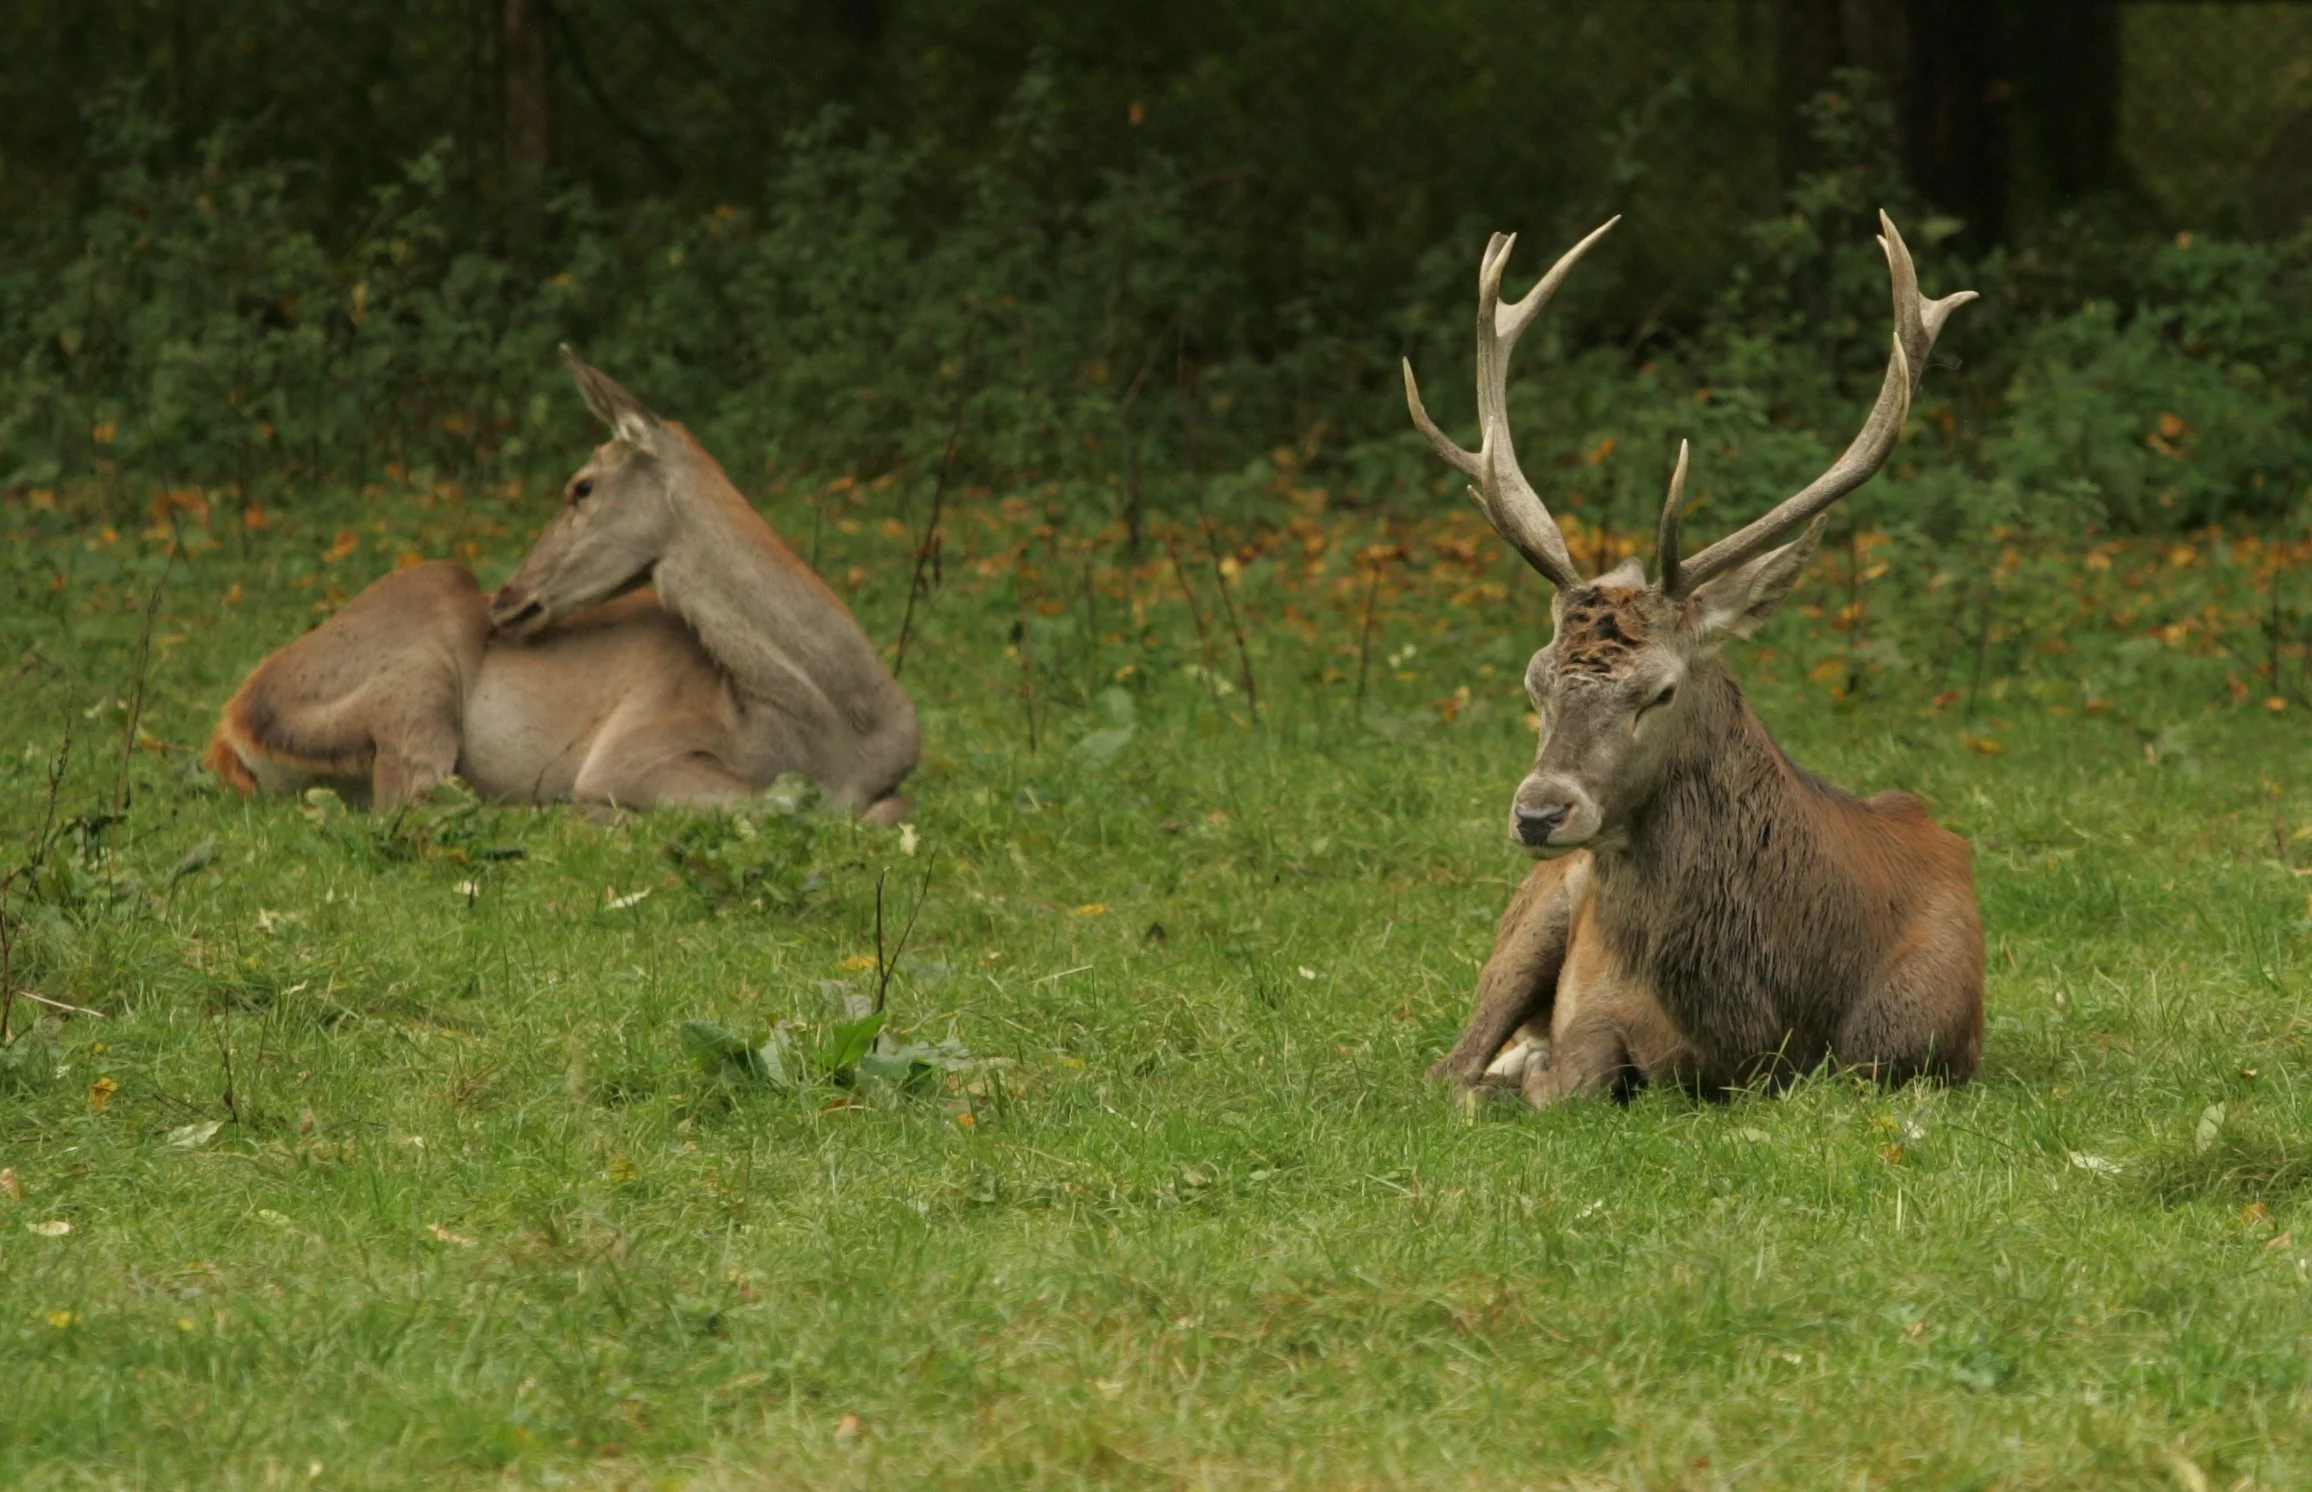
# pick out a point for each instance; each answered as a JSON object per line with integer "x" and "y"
{"x": 1706, "y": 911}
{"x": 573, "y": 683}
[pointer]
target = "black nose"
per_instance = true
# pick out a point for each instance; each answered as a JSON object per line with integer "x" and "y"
{"x": 1535, "y": 825}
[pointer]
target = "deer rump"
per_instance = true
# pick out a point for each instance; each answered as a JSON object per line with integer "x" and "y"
{"x": 575, "y": 682}
{"x": 1706, "y": 912}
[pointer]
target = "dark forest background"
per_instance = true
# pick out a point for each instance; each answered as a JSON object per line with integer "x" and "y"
{"x": 1142, "y": 258}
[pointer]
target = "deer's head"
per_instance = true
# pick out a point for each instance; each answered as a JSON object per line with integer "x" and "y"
{"x": 1611, "y": 686}
{"x": 617, "y": 514}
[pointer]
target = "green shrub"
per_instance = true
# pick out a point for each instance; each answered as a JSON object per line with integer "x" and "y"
{"x": 877, "y": 308}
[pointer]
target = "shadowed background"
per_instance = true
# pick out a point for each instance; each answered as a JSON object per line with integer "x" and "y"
{"x": 248, "y": 246}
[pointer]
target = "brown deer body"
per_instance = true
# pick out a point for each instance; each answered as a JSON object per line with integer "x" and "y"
{"x": 572, "y": 683}
{"x": 1706, "y": 912}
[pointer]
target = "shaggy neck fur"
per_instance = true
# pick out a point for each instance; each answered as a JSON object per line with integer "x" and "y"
{"x": 1744, "y": 896}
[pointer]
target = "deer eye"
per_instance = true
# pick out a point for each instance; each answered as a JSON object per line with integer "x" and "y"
{"x": 1661, "y": 697}
{"x": 581, "y": 489}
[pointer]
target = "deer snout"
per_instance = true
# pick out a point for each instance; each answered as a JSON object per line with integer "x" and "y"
{"x": 1535, "y": 825}
{"x": 1551, "y": 816}
{"x": 516, "y": 612}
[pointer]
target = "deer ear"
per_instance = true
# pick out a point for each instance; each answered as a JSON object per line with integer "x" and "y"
{"x": 1738, "y": 602}
{"x": 612, "y": 405}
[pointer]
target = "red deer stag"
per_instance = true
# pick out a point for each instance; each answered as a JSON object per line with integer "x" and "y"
{"x": 1706, "y": 911}
{"x": 572, "y": 683}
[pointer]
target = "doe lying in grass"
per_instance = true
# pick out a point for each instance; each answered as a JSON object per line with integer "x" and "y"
{"x": 1707, "y": 912}
{"x": 573, "y": 683}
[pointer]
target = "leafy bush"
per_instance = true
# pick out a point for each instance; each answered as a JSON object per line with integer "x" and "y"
{"x": 189, "y": 327}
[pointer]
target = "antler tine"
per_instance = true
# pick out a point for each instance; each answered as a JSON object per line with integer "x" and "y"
{"x": 1500, "y": 489}
{"x": 1666, "y": 543}
{"x": 1917, "y": 321}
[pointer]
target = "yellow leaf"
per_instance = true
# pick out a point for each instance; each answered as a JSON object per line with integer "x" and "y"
{"x": 345, "y": 543}
{"x": 62, "y": 1319}
{"x": 101, "y": 1091}
{"x": 10, "y": 1187}
{"x": 2275, "y": 703}
{"x": 1826, "y": 671}
{"x": 1983, "y": 745}
{"x": 1093, "y": 909}
{"x": 859, "y": 961}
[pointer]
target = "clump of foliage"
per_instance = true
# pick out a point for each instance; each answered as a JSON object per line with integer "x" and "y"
{"x": 189, "y": 326}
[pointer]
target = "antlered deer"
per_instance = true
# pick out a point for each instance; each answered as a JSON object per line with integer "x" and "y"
{"x": 1706, "y": 911}
{"x": 573, "y": 683}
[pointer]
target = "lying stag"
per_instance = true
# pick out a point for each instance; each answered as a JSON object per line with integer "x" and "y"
{"x": 1706, "y": 911}
{"x": 742, "y": 665}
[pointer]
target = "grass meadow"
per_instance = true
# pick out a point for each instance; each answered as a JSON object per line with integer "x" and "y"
{"x": 374, "y": 1154}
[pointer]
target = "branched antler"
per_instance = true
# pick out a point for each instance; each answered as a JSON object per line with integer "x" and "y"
{"x": 1498, "y": 486}
{"x": 1516, "y": 511}
{"x": 1917, "y": 320}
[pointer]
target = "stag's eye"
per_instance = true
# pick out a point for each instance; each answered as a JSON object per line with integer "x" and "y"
{"x": 579, "y": 491}
{"x": 1662, "y": 696}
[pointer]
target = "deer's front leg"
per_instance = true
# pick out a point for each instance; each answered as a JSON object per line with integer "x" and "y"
{"x": 1519, "y": 982}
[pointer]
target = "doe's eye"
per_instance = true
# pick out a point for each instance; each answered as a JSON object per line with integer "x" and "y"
{"x": 581, "y": 489}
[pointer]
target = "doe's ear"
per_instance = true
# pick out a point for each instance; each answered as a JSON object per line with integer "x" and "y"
{"x": 1738, "y": 602}
{"x": 612, "y": 405}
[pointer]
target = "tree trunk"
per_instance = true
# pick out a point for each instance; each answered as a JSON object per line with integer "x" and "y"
{"x": 1809, "y": 45}
{"x": 1813, "y": 40}
{"x": 524, "y": 70}
{"x": 1954, "y": 113}
{"x": 2067, "y": 92}
{"x": 1944, "y": 63}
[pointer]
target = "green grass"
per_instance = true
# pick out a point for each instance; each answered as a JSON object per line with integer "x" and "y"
{"x": 480, "y": 1221}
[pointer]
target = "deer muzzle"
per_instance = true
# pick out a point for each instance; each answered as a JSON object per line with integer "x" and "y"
{"x": 517, "y": 612}
{"x": 1551, "y": 816}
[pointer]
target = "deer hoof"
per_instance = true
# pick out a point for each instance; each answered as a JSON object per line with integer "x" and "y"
{"x": 1525, "y": 1053}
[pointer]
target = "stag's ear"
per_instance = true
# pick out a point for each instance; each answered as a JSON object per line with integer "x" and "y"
{"x": 612, "y": 405}
{"x": 1738, "y": 602}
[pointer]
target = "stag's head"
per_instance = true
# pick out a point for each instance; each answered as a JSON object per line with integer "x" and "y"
{"x": 1611, "y": 688}
{"x": 617, "y": 515}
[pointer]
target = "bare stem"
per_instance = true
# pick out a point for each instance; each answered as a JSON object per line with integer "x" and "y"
{"x": 144, "y": 651}
{"x": 1195, "y": 615}
{"x": 1856, "y": 598}
{"x": 1235, "y": 629}
{"x": 25, "y": 872}
{"x": 884, "y": 969}
{"x": 1027, "y": 656}
{"x": 1982, "y": 646}
{"x": 927, "y": 547}
{"x": 231, "y": 1097}
{"x": 1365, "y": 634}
